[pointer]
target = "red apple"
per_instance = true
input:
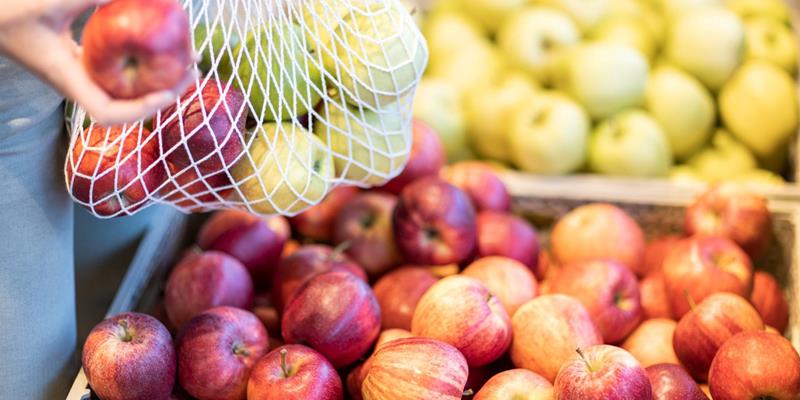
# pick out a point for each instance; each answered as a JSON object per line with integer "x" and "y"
{"x": 602, "y": 372}
{"x": 129, "y": 357}
{"x": 651, "y": 342}
{"x": 135, "y": 47}
{"x": 205, "y": 281}
{"x": 478, "y": 376}
{"x": 355, "y": 379}
{"x": 461, "y": 311}
{"x": 113, "y": 171}
{"x": 216, "y": 351}
{"x": 336, "y": 314}
{"x": 608, "y": 290}
{"x": 547, "y": 330}
{"x": 294, "y": 372}
{"x": 391, "y": 334}
{"x": 482, "y": 185}
{"x": 266, "y": 311}
{"x": 426, "y": 158}
{"x": 755, "y": 365}
{"x": 434, "y": 223}
{"x": 187, "y": 190}
{"x": 511, "y": 281}
{"x": 599, "y": 232}
{"x": 365, "y": 223}
{"x": 656, "y": 252}
{"x": 653, "y": 295}
{"x": 398, "y": 293}
{"x": 305, "y": 263}
{"x": 317, "y": 221}
{"x": 413, "y": 369}
{"x": 507, "y": 235}
{"x": 729, "y": 210}
{"x": 254, "y": 240}
{"x": 516, "y": 384}
{"x": 672, "y": 382}
{"x": 769, "y": 300}
{"x": 701, "y": 332}
{"x": 702, "y": 266}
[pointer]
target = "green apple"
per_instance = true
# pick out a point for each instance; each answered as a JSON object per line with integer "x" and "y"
{"x": 447, "y": 34}
{"x": 672, "y": 9}
{"x": 548, "y": 134}
{"x": 724, "y": 158}
{"x": 604, "y": 77}
{"x": 759, "y": 106}
{"x": 630, "y": 143}
{"x": 760, "y": 177}
{"x": 684, "y": 174}
{"x": 585, "y": 13}
{"x": 491, "y": 14}
{"x": 775, "y": 9}
{"x": 438, "y": 104}
{"x": 286, "y": 170}
{"x": 772, "y": 41}
{"x": 213, "y": 51}
{"x": 472, "y": 68}
{"x": 626, "y": 31}
{"x": 530, "y": 39}
{"x": 683, "y": 107}
{"x": 487, "y": 113}
{"x": 708, "y": 43}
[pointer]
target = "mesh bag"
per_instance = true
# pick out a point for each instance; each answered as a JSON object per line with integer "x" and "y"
{"x": 295, "y": 98}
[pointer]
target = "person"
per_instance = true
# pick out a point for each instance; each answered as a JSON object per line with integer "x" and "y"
{"x": 40, "y": 65}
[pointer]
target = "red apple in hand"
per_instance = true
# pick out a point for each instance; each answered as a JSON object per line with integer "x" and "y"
{"x": 702, "y": 266}
{"x": 672, "y": 382}
{"x": 317, "y": 221}
{"x": 216, "y": 351}
{"x": 608, "y": 290}
{"x": 113, "y": 171}
{"x": 701, "y": 332}
{"x": 653, "y": 295}
{"x": 336, "y": 314}
{"x": 507, "y": 235}
{"x": 203, "y": 281}
{"x": 426, "y": 158}
{"x": 656, "y": 252}
{"x": 365, "y": 223}
{"x": 755, "y": 365}
{"x": 602, "y": 372}
{"x": 547, "y": 330}
{"x": 480, "y": 183}
{"x": 516, "y": 384}
{"x": 434, "y": 223}
{"x": 731, "y": 211}
{"x": 461, "y": 311}
{"x": 398, "y": 293}
{"x": 135, "y": 47}
{"x": 294, "y": 372}
{"x": 651, "y": 342}
{"x": 413, "y": 369}
{"x": 768, "y": 299}
{"x": 130, "y": 356}
{"x": 509, "y": 280}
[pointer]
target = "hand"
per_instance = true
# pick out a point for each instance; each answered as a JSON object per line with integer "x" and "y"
{"x": 36, "y": 34}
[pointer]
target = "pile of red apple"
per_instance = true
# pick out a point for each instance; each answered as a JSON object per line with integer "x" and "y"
{"x": 429, "y": 288}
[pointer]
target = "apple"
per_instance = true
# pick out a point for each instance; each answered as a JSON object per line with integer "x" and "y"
{"x": 769, "y": 300}
{"x": 216, "y": 351}
{"x": 701, "y": 332}
{"x": 415, "y": 368}
{"x": 434, "y": 223}
{"x": 317, "y": 221}
{"x": 388, "y": 335}
{"x": 772, "y": 41}
{"x": 426, "y": 158}
{"x": 701, "y": 266}
{"x": 751, "y": 9}
{"x": 287, "y": 171}
{"x": 759, "y": 106}
{"x": 336, "y": 314}
{"x": 630, "y": 143}
{"x": 547, "y": 330}
{"x": 114, "y": 171}
{"x": 355, "y": 379}
{"x": 480, "y": 182}
{"x": 725, "y": 158}
{"x": 653, "y": 295}
{"x": 755, "y": 365}
{"x": 656, "y": 251}
{"x": 185, "y": 189}
{"x": 683, "y": 108}
{"x": 294, "y": 372}
{"x": 586, "y": 14}
{"x": 672, "y": 382}
{"x": 548, "y": 134}
{"x": 599, "y": 231}
{"x": 651, "y": 342}
{"x": 478, "y": 376}
{"x": 516, "y": 383}
{"x": 461, "y": 311}
{"x": 586, "y": 72}
{"x": 203, "y": 281}
{"x": 508, "y": 279}
{"x": 446, "y": 31}
{"x": 129, "y": 356}
{"x": 507, "y": 235}
{"x": 213, "y": 47}
{"x": 532, "y": 37}
{"x": 135, "y": 47}
{"x": 398, "y": 293}
{"x": 472, "y": 66}
{"x": 632, "y": 32}
{"x": 492, "y": 14}
{"x": 365, "y": 224}
{"x": 602, "y": 372}
{"x": 732, "y": 211}
{"x": 269, "y": 315}
{"x": 437, "y": 103}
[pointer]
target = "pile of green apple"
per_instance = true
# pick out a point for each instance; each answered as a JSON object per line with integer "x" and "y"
{"x": 689, "y": 89}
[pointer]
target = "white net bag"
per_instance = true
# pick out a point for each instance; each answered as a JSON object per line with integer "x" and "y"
{"x": 295, "y": 98}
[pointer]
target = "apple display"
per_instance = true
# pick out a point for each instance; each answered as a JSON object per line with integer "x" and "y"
{"x": 481, "y": 183}
{"x": 630, "y": 143}
{"x": 427, "y": 157}
{"x": 317, "y": 221}
{"x": 365, "y": 225}
{"x": 672, "y": 382}
{"x": 772, "y": 41}
{"x": 516, "y": 384}
{"x": 437, "y": 103}
{"x": 769, "y": 300}
{"x": 602, "y": 372}
{"x": 653, "y": 295}
{"x": 651, "y": 342}
{"x": 294, "y": 372}
{"x": 508, "y": 279}
{"x": 507, "y": 235}
{"x": 398, "y": 293}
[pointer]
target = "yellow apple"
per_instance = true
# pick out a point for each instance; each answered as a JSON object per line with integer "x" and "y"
{"x": 772, "y": 41}
{"x": 286, "y": 170}
{"x": 684, "y": 174}
{"x": 438, "y": 104}
{"x": 585, "y": 13}
{"x": 647, "y": 14}
{"x": 626, "y": 31}
{"x": 492, "y": 13}
{"x": 775, "y": 9}
{"x": 725, "y": 158}
{"x": 630, "y": 143}
{"x": 671, "y": 9}
{"x": 760, "y": 177}
{"x": 447, "y": 32}
{"x": 759, "y": 106}
{"x": 473, "y": 67}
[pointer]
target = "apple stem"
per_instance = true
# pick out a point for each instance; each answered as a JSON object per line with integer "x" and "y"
{"x": 689, "y": 298}
{"x": 489, "y": 297}
{"x": 340, "y": 249}
{"x": 240, "y": 350}
{"x": 468, "y": 392}
{"x": 126, "y": 333}
{"x": 284, "y": 367}
{"x": 583, "y": 357}
{"x": 196, "y": 249}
